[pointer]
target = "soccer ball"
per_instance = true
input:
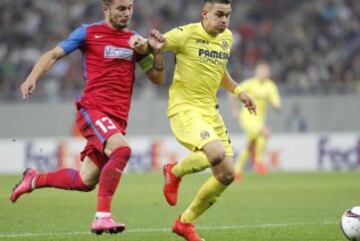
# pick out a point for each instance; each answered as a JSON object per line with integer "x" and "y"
{"x": 350, "y": 224}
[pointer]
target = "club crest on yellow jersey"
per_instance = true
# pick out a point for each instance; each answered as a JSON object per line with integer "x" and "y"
{"x": 225, "y": 45}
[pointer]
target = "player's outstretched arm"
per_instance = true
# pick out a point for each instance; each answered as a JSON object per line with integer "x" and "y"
{"x": 231, "y": 86}
{"x": 42, "y": 66}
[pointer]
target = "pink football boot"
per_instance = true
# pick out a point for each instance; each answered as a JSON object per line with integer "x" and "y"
{"x": 24, "y": 186}
{"x": 107, "y": 225}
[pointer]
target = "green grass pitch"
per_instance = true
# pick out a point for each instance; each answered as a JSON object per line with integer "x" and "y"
{"x": 275, "y": 207}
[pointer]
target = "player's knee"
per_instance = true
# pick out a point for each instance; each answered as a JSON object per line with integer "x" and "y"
{"x": 89, "y": 181}
{"x": 216, "y": 156}
{"x": 215, "y": 152}
{"x": 226, "y": 177}
{"x": 85, "y": 184}
{"x": 114, "y": 143}
{"x": 111, "y": 149}
{"x": 88, "y": 188}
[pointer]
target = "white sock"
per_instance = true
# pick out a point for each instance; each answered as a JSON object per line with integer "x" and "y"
{"x": 102, "y": 215}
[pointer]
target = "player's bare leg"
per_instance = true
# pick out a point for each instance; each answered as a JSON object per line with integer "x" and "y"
{"x": 173, "y": 172}
{"x": 66, "y": 178}
{"x": 119, "y": 152}
{"x": 223, "y": 175}
{"x": 89, "y": 172}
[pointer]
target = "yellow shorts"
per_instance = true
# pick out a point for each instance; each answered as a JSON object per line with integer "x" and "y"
{"x": 251, "y": 126}
{"x": 194, "y": 129}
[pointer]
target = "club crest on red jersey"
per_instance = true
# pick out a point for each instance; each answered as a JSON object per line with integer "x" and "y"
{"x": 112, "y": 52}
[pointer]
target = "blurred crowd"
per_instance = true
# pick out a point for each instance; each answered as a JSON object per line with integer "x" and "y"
{"x": 312, "y": 46}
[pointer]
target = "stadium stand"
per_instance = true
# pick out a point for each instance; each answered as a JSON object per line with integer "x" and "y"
{"x": 313, "y": 47}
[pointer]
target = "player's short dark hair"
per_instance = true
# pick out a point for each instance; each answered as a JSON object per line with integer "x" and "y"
{"x": 107, "y": 2}
{"x": 217, "y": 1}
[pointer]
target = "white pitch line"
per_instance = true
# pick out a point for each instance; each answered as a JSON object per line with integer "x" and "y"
{"x": 161, "y": 230}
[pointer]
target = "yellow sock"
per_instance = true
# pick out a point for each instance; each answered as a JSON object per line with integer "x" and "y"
{"x": 208, "y": 194}
{"x": 240, "y": 162}
{"x": 259, "y": 149}
{"x": 195, "y": 162}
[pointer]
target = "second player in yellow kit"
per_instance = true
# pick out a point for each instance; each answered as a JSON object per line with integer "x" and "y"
{"x": 264, "y": 92}
{"x": 202, "y": 52}
{"x": 201, "y": 61}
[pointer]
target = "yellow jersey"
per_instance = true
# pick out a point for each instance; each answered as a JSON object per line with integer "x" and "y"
{"x": 201, "y": 61}
{"x": 262, "y": 93}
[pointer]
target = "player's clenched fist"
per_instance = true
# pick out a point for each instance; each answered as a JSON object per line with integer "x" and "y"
{"x": 136, "y": 41}
{"x": 26, "y": 88}
{"x": 139, "y": 44}
{"x": 156, "y": 40}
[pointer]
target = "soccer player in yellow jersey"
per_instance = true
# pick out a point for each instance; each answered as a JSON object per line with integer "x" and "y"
{"x": 264, "y": 92}
{"x": 202, "y": 52}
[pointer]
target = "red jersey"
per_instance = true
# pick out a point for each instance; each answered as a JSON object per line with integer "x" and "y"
{"x": 108, "y": 65}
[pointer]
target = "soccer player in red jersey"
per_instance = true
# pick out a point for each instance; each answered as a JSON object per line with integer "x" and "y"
{"x": 102, "y": 110}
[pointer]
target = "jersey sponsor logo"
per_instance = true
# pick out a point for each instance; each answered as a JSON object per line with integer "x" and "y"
{"x": 112, "y": 52}
{"x": 213, "y": 54}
